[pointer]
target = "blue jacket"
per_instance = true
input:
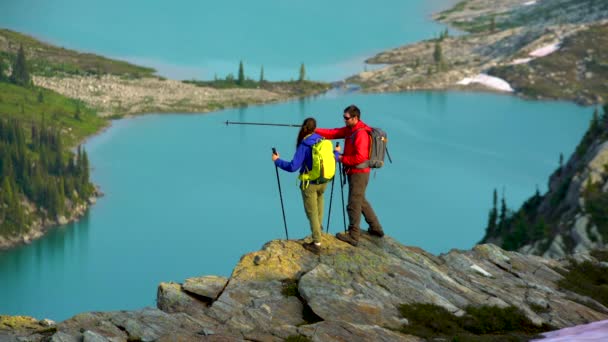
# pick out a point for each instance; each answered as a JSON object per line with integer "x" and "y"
{"x": 302, "y": 159}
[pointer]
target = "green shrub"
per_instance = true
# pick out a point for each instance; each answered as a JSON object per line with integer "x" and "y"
{"x": 290, "y": 288}
{"x": 587, "y": 279}
{"x": 483, "y": 323}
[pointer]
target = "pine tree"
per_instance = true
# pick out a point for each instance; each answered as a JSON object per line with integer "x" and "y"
{"x": 438, "y": 54}
{"x": 595, "y": 120}
{"x": 241, "y": 80}
{"x": 20, "y": 75}
{"x": 58, "y": 155}
{"x": 84, "y": 177}
{"x": 502, "y": 220}
{"x": 52, "y": 202}
{"x": 302, "y": 73}
{"x": 3, "y": 77}
{"x": 40, "y": 96}
{"x": 7, "y": 192}
{"x": 262, "y": 74}
{"x": 491, "y": 229}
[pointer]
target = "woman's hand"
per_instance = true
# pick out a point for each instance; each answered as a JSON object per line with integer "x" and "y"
{"x": 275, "y": 156}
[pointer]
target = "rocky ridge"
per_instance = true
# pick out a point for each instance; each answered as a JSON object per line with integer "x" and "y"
{"x": 345, "y": 294}
{"x": 115, "y": 95}
{"x": 501, "y": 33}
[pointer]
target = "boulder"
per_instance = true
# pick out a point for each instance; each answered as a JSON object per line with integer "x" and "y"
{"x": 207, "y": 286}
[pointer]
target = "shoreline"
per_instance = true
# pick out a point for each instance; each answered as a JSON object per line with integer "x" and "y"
{"x": 526, "y": 55}
{"x": 40, "y": 228}
{"x": 117, "y": 97}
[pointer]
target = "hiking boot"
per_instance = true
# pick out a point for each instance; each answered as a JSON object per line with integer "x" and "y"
{"x": 312, "y": 247}
{"x": 377, "y": 233}
{"x": 346, "y": 237}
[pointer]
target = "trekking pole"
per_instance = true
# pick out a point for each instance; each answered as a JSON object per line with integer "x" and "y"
{"x": 276, "y": 168}
{"x": 331, "y": 196}
{"x": 342, "y": 191}
{"x": 260, "y": 124}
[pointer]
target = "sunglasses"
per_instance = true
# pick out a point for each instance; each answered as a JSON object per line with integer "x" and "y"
{"x": 347, "y": 117}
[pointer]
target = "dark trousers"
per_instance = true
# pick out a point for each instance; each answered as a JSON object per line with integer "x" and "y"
{"x": 358, "y": 204}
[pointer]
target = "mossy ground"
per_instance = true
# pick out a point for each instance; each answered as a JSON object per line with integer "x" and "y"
{"x": 588, "y": 279}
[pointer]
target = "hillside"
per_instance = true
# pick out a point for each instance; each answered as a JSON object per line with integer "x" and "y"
{"x": 117, "y": 88}
{"x": 49, "y": 60}
{"x": 572, "y": 217}
{"x": 511, "y": 40}
{"x": 379, "y": 291}
{"x": 44, "y": 178}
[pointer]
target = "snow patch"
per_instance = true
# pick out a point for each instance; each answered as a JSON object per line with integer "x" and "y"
{"x": 520, "y": 61}
{"x": 540, "y": 52}
{"x": 545, "y": 50}
{"x": 596, "y": 331}
{"x": 529, "y": 3}
{"x": 488, "y": 81}
{"x": 481, "y": 271}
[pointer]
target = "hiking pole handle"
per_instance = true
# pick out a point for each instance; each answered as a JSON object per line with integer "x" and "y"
{"x": 274, "y": 151}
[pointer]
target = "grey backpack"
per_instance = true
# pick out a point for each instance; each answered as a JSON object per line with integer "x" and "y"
{"x": 377, "y": 150}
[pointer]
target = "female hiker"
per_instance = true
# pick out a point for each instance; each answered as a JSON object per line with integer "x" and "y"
{"x": 312, "y": 186}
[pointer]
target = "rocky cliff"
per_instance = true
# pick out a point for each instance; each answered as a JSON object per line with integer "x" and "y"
{"x": 345, "y": 294}
{"x": 572, "y": 217}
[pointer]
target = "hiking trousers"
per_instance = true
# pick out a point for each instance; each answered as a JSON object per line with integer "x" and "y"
{"x": 358, "y": 204}
{"x": 313, "y": 206}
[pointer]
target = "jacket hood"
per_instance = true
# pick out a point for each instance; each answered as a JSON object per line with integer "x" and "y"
{"x": 312, "y": 139}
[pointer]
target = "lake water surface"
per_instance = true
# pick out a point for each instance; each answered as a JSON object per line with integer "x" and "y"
{"x": 186, "y": 195}
{"x": 200, "y": 39}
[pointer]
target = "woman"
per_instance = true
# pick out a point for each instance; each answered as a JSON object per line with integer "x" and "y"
{"x": 312, "y": 191}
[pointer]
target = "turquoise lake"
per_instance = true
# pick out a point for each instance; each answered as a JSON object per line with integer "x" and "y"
{"x": 186, "y": 195}
{"x": 188, "y": 39}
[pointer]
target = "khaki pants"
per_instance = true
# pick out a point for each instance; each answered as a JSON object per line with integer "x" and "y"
{"x": 313, "y": 206}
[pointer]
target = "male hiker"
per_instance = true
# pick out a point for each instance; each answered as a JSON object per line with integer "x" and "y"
{"x": 356, "y": 153}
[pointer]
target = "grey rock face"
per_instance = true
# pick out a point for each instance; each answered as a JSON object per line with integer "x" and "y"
{"x": 345, "y": 294}
{"x": 342, "y": 331}
{"x": 90, "y": 336}
{"x": 207, "y": 286}
{"x": 63, "y": 337}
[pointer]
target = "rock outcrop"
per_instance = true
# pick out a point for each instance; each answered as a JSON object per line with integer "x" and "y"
{"x": 345, "y": 294}
{"x": 503, "y": 39}
{"x": 571, "y": 217}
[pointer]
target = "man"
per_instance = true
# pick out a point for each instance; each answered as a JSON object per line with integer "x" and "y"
{"x": 355, "y": 157}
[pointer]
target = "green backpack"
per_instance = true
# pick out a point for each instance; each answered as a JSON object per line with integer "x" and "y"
{"x": 323, "y": 164}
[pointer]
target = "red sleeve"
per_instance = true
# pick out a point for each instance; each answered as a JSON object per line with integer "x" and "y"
{"x": 332, "y": 133}
{"x": 361, "y": 150}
